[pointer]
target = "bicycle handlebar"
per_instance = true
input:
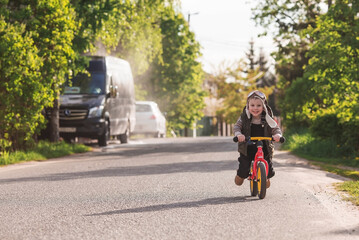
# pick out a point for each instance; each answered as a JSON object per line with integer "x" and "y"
{"x": 282, "y": 139}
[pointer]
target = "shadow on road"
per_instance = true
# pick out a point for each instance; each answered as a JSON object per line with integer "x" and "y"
{"x": 285, "y": 161}
{"x": 354, "y": 231}
{"x": 138, "y": 150}
{"x": 153, "y": 169}
{"x": 192, "y": 204}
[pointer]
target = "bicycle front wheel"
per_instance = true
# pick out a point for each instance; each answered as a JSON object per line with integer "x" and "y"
{"x": 253, "y": 183}
{"x": 261, "y": 180}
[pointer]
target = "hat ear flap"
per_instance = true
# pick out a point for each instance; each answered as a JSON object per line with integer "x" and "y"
{"x": 268, "y": 117}
{"x": 247, "y": 113}
{"x": 270, "y": 121}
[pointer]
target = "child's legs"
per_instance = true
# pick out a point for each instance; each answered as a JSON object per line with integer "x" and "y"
{"x": 243, "y": 168}
{"x": 271, "y": 171}
{"x": 245, "y": 162}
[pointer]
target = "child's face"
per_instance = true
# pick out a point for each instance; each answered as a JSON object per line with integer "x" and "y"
{"x": 255, "y": 107}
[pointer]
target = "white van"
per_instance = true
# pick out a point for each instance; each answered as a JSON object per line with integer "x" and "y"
{"x": 101, "y": 104}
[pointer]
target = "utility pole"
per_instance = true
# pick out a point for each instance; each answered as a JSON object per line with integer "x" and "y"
{"x": 189, "y": 16}
{"x": 194, "y": 133}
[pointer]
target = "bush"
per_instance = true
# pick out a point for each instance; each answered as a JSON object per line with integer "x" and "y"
{"x": 301, "y": 142}
{"x": 330, "y": 127}
{"x": 326, "y": 126}
{"x": 350, "y": 136}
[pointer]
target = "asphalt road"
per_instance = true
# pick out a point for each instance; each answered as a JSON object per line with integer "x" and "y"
{"x": 169, "y": 189}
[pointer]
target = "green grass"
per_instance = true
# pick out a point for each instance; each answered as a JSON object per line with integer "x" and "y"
{"x": 339, "y": 170}
{"x": 329, "y": 156}
{"x": 42, "y": 151}
{"x": 352, "y": 188}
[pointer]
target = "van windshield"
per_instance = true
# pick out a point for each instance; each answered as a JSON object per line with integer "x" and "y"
{"x": 85, "y": 84}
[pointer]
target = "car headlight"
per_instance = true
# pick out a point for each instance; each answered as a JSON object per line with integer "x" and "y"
{"x": 95, "y": 112}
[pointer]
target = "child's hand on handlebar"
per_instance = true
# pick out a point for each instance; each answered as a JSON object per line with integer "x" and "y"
{"x": 276, "y": 137}
{"x": 241, "y": 138}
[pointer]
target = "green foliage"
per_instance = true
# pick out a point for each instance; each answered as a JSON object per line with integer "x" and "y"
{"x": 333, "y": 69}
{"x": 292, "y": 102}
{"x": 42, "y": 151}
{"x": 301, "y": 142}
{"x": 287, "y": 19}
{"x": 137, "y": 37}
{"x": 175, "y": 81}
{"x": 326, "y": 126}
{"x": 317, "y": 63}
{"x": 53, "y": 39}
{"x": 21, "y": 96}
{"x": 35, "y": 50}
{"x": 127, "y": 29}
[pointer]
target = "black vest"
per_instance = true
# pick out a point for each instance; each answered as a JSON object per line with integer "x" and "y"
{"x": 246, "y": 130}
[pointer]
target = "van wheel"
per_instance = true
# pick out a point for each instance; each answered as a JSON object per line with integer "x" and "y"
{"x": 102, "y": 140}
{"x": 124, "y": 137}
{"x": 68, "y": 139}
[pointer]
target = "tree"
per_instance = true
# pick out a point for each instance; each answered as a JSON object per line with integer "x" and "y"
{"x": 54, "y": 41}
{"x": 251, "y": 56}
{"x": 21, "y": 95}
{"x": 268, "y": 78}
{"x": 319, "y": 57}
{"x": 142, "y": 48}
{"x": 176, "y": 81}
{"x": 333, "y": 71}
{"x": 48, "y": 28}
{"x": 288, "y": 19}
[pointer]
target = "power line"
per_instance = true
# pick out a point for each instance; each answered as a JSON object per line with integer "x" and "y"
{"x": 234, "y": 44}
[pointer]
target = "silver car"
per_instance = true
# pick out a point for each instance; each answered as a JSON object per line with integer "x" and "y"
{"x": 149, "y": 119}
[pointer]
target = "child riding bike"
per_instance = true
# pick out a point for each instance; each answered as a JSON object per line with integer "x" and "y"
{"x": 255, "y": 121}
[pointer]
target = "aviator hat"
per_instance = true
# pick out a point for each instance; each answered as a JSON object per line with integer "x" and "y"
{"x": 268, "y": 116}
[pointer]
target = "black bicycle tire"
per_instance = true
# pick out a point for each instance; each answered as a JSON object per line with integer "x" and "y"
{"x": 262, "y": 180}
{"x": 253, "y": 187}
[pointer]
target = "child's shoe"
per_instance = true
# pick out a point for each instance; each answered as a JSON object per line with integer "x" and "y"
{"x": 268, "y": 183}
{"x": 238, "y": 180}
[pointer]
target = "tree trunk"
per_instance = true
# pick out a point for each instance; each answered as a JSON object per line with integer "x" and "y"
{"x": 329, "y": 3}
{"x": 186, "y": 132}
{"x": 55, "y": 122}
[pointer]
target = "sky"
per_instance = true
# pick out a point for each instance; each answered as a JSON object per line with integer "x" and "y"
{"x": 224, "y": 29}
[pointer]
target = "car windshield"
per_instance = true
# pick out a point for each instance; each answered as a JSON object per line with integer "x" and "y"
{"x": 143, "y": 108}
{"x": 83, "y": 83}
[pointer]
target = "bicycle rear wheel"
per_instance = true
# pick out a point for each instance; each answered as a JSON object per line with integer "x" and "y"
{"x": 262, "y": 180}
{"x": 253, "y": 184}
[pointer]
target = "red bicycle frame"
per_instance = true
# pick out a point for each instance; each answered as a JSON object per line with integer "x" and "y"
{"x": 259, "y": 157}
